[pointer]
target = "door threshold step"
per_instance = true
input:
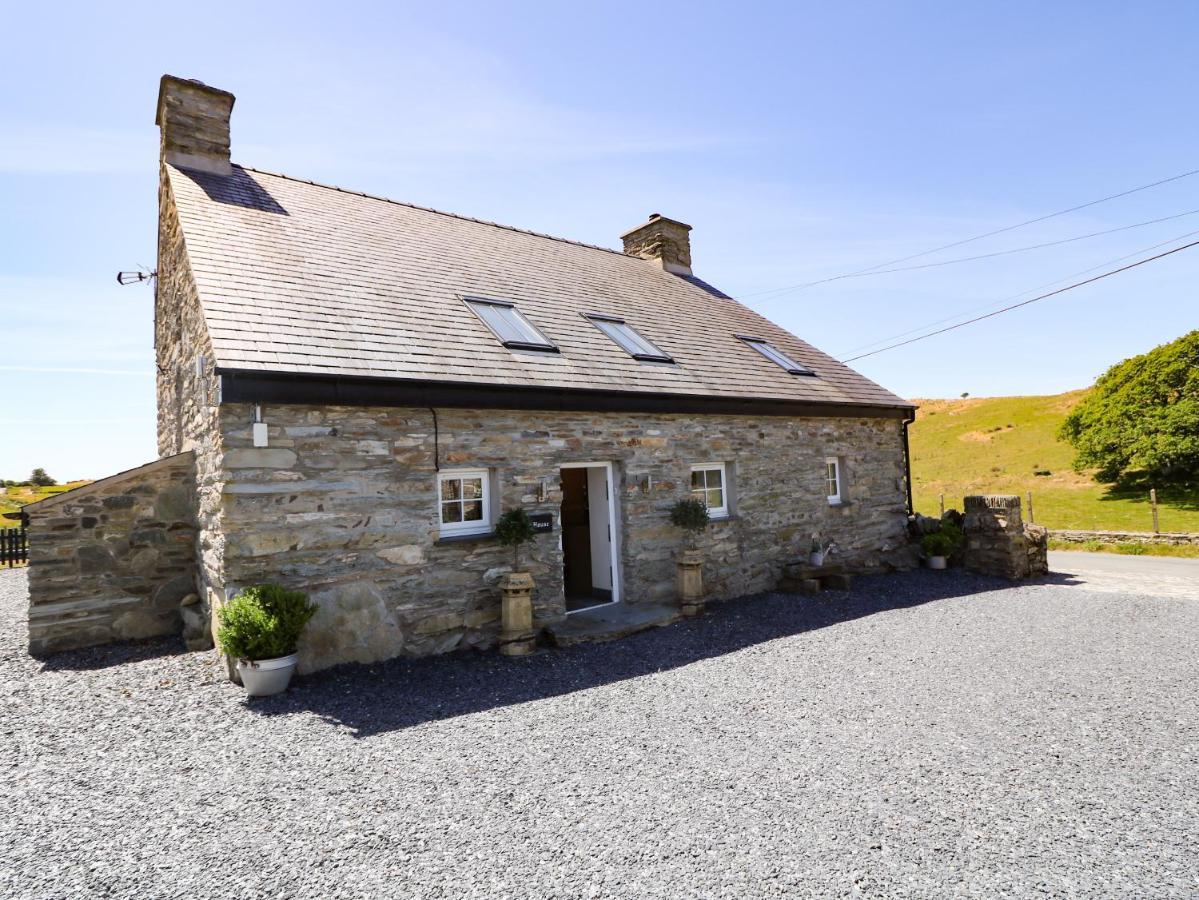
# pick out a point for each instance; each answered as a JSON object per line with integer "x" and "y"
{"x": 610, "y": 623}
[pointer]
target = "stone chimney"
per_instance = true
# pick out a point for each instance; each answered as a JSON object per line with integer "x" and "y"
{"x": 194, "y": 119}
{"x": 664, "y": 242}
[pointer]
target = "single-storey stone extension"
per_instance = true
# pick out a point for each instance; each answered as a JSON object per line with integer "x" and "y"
{"x": 365, "y": 386}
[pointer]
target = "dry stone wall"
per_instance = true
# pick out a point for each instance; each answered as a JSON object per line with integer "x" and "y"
{"x": 112, "y": 560}
{"x": 342, "y": 503}
{"x": 998, "y": 542}
{"x": 188, "y": 389}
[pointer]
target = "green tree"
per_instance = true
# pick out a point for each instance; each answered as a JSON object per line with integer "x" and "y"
{"x": 1140, "y": 423}
{"x": 39, "y": 478}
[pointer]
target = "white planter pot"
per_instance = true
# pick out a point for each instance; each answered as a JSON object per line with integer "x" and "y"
{"x": 264, "y": 677}
{"x": 936, "y": 562}
{"x": 816, "y": 559}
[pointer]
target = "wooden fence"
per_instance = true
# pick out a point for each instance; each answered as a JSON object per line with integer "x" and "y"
{"x": 14, "y": 546}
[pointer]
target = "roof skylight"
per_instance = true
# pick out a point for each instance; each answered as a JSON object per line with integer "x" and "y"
{"x": 776, "y": 356}
{"x": 624, "y": 335}
{"x": 509, "y": 325}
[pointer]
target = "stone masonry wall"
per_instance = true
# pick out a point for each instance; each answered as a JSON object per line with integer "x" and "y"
{"x": 343, "y": 505}
{"x": 112, "y": 560}
{"x": 187, "y": 389}
{"x": 998, "y": 542}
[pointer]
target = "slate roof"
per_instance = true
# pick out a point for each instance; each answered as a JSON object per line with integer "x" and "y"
{"x": 301, "y": 278}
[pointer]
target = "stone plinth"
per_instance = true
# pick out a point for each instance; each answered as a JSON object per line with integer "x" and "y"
{"x": 997, "y": 540}
{"x": 691, "y": 582}
{"x": 517, "y": 637}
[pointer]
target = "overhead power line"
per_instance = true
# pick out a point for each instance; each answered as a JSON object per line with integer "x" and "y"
{"x": 1017, "y": 296}
{"x": 997, "y": 312}
{"x": 1070, "y": 240}
{"x": 970, "y": 240}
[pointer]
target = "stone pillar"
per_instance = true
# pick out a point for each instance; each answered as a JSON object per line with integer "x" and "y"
{"x": 517, "y": 637}
{"x": 997, "y": 540}
{"x": 691, "y": 582}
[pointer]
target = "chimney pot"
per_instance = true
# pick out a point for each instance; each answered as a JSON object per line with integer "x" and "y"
{"x": 194, "y": 119}
{"x": 664, "y": 242}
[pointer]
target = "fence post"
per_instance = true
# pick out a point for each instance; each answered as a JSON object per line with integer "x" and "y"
{"x": 1032, "y": 520}
{"x": 1153, "y": 505}
{"x": 942, "y": 506}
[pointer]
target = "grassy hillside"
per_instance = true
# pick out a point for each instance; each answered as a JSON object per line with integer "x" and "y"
{"x": 1008, "y": 445}
{"x": 13, "y": 498}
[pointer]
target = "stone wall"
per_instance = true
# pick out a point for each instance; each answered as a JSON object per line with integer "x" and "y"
{"x": 1173, "y": 538}
{"x": 343, "y": 505}
{"x": 188, "y": 389}
{"x": 113, "y": 559}
{"x": 998, "y": 542}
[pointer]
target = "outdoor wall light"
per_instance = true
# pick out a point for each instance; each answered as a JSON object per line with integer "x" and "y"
{"x": 261, "y": 437}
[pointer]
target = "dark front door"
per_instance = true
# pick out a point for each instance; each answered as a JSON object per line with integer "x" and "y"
{"x": 576, "y": 534}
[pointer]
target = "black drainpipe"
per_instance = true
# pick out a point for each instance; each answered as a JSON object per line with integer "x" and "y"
{"x": 907, "y": 460}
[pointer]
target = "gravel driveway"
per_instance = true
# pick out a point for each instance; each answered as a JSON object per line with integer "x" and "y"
{"x": 925, "y": 735}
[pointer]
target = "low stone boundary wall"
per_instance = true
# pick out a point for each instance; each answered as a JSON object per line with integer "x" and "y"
{"x": 1072, "y": 536}
{"x": 113, "y": 559}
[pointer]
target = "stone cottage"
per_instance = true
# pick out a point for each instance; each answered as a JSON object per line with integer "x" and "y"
{"x": 364, "y": 386}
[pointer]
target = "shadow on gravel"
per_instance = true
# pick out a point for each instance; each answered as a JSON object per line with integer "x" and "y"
{"x": 108, "y": 655}
{"x": 401, "y": 693}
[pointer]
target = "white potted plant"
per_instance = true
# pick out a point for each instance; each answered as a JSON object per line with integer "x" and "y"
{"x": 260, "y": 628}
{"x": 817, "y": 553}
{"x": 940, "y": 545}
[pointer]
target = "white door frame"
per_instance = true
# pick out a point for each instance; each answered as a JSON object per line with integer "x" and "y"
{"x": 614, "y": 551}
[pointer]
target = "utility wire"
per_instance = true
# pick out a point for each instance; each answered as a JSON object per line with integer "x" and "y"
{"x": 1070, "y": 240}
{"x": 966, "y": 312}
{"x": 997, "y": 312}
{"x": 970, "y": 240}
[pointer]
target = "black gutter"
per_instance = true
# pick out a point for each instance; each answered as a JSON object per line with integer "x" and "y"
{"x": 907, "y": 460}
{"x": 250, "y": 386}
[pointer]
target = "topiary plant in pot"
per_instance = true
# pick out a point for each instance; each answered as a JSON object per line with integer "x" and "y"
{"x": 691, "y": 515}
{"x": 260, "y": 628}
{"x": 514, "y": 529}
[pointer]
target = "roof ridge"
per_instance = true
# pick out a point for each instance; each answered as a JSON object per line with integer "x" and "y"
{"x": 430, "y": 209}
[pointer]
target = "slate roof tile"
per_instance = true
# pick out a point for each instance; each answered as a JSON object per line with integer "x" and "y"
{"x": 298, "y": 277}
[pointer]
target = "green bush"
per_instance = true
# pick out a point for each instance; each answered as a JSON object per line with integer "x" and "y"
{"x": 691, "y": 515}
{"x": 945, "y": 542}
{"x": 263, "y": 622}
{"x": 513, "y": 529}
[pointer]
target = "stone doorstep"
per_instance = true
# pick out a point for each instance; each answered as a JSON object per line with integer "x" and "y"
{"x": 610, "y": 623}
{"x": 50, "y": 610}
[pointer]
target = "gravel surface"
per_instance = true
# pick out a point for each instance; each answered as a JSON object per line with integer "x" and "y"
{"x": 924, "y": 735}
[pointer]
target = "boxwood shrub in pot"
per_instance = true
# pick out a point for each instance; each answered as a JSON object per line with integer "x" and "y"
{"x": 260, "y": 628}
{"x": 691, "y": 515}
{"x": 942, "y": 545}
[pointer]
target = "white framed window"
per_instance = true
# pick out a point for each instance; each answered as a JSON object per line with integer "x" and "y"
{"x": 832, "y": 479}
{"x": 463, "y": 504}
{"x": 709, "y": 483}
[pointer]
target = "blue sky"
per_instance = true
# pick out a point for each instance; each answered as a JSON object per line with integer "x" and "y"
{"x": 801, "y": 140}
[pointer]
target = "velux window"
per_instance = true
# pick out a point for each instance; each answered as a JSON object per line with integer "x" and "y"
{"x": 776, "y": 356}
{"x": 462, "y": 502}
{"x": 709, "y": 485}
{"x": 633, "y": 343}
{"x": 509, "y": 325}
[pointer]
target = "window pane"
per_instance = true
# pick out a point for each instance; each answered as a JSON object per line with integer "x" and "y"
{"x": 451, "y": 489}
{"x": 472, "y": 488}
{"x": 451, "y": 512}
{"x": 624, "y": 335}
{"x": 714, "y": 479}
{"x": 715, "y": 498}
{"x": 697, "y": 480}
{"x": 503, "y": 325}
{"x": 778, "y": 357}
{"x": 472, "y": 511}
